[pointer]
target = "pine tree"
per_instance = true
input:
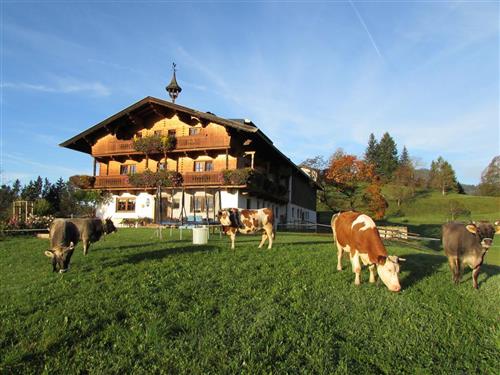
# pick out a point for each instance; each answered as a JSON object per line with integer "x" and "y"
{"x": 404, "y": 159}
{"x": 371, "y": 153}
{"x": 16, "y": 188}
{"x": 442, "y": 176}
{"x": 387, "y": 157}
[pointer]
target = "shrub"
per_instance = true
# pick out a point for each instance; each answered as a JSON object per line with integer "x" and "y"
{"x": 82, "y": 181}
{"x": 150, "y": 179}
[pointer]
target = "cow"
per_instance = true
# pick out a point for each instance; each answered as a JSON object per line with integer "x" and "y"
{"x": 467, "y": 245}
{"x": 251, "y": 221}
{"x": 64, "y": 236}
{"x": 357, "y": 234}
{"x": 92, "y": 229}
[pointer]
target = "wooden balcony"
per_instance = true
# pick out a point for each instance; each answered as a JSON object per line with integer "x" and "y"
{"x": 190, "y": 179}
{"x": 203, "y": 178}
{"x": 107, "y": 182}
{"x": 192, "y": 142}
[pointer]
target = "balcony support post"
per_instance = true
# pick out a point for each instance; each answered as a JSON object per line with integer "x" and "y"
{"x": 95, "y": 167}
{"x": 227, "y": 158}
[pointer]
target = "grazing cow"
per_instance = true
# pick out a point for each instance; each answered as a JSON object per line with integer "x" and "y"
{"x": 251, "y": 222}
{"x": 91, "y": 230}
{"x": 357, "y": 234}
{"x": 64, "y": 236}
{"x": 467, "y": 245}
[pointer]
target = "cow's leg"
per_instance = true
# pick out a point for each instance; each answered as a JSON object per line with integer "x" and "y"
{"x": 340, "y": 252}
{"x": 264, "y": 238}
{"x": 371, "y": 267}
{"x": 475, "y": 274}
{"x": 454, "y": 268}
{"x": 268, "y": 234}
{"x": 233, "y": 236}
{"x": 86, "y": 244}
{"x": 356, "y": 268}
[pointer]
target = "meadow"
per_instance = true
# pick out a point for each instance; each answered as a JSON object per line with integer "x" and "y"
{"x": 137, "y": 304}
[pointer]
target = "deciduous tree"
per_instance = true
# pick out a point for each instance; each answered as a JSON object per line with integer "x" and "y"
{"x": 442, "y": 176}
{"x": 490, "y": 179}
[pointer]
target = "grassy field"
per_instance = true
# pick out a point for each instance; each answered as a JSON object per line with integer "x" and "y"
{"x": 136, "y": 304}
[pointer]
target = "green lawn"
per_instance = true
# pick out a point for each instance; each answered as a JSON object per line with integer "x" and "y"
{"x": 139, "y": 305}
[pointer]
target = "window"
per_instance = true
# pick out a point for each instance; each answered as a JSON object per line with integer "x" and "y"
{"x": 203, "y": 166}
{"x": 123, "y": 169}
{"x": 157, "y": 132}
{"x": 197, "y": 204}
{"x": 248, "y": 204}
{"x": 161, "y": 166}
{"x": 128, "y": 169}
{"x": 176, "y": 203}
{"x": 194, "y": 131}
{"x": 125, "y": 204}
{"x": 171, "y": 133}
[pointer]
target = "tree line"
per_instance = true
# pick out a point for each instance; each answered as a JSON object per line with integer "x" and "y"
{"x": 61, "y": 199}
{"x": 349, "y": 182}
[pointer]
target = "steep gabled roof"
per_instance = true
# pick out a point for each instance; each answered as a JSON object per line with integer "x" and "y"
{"x": 146, "y": 107}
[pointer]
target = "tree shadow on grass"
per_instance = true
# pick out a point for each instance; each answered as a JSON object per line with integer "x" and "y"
{"x": 160, "y": 254}
{"x": 420, "y": 266}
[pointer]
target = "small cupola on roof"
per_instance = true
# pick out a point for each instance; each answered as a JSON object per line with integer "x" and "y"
{"x": 173, "y": 87}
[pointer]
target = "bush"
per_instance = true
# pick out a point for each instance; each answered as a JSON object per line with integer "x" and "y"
{"x": 150, "y": 179}
{"x": 82, "y": 181}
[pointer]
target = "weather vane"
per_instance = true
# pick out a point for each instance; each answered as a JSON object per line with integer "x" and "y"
{"x": 173, "y": 87}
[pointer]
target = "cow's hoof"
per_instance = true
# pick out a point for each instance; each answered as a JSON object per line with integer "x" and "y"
{"x": 63, "y": 271}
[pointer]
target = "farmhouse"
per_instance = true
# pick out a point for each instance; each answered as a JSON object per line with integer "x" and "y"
{"x": 223, "y": 163}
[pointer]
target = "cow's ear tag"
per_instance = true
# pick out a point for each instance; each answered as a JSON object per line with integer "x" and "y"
{"x": 50, "y": 254}
{"x": 471, "y": 228}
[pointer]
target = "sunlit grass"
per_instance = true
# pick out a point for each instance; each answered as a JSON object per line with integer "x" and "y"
{"x": 136, "y": 304}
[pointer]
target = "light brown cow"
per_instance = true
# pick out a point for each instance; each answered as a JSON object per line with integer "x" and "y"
{"x": 357, "y": 234}
{"x": 251, "y": 222}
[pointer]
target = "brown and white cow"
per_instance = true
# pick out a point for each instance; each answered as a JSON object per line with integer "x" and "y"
{"x": 357, "y": 234}
{"x": 467, "y": 245}
{"x": 251, "y": 222}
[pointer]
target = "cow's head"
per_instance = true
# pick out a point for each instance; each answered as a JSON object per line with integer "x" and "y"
{"x": 61, "y": 257}
{"x": 484, "y": 231}
{"x": 109, "y": 226}
{"x": 224, "y": 217}
{"x": 388, "y": 270}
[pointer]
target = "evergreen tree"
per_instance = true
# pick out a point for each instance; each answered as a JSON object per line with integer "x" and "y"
{"x": 442, "y": 176}
{"x": 387, "y": 157}
{"x": 371, "y": 153}
{"x": 404, "y": 159}
{"x": 46, "y": 188}
{"x": 490, "y": 179}
{"x": 16, "y": 188}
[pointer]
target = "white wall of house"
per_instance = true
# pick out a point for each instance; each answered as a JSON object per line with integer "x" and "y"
{"x": 145, "y": 207}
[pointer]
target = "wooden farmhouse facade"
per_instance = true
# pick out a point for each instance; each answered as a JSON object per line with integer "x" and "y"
{"x": 214, "y": 156}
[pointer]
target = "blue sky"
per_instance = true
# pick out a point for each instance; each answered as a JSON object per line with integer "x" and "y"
{"x": 314, "y": 76}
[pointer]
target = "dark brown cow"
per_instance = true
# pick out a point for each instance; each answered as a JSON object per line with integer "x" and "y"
{"x": 357, "y": 234}
{"x": 467, "y": 245}
{"x": 252, "y": 221}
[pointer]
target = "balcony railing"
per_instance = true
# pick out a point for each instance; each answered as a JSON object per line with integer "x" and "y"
{"x": 103, "y": 182}
{"x": 192, "y": 142}
{"x": 203, "y": 178}
{"x": 190, "y": 179}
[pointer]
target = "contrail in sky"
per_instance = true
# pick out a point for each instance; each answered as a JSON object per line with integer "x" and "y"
{"x": 366, "y": 29}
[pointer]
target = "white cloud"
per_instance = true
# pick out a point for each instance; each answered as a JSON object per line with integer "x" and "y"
{"x": 61, "y": 86}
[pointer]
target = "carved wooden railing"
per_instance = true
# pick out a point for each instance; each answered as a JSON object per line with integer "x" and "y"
{"x": 203, "y": 178}
{"x": 192, "y": 142}
{"x": 103, "y": 182}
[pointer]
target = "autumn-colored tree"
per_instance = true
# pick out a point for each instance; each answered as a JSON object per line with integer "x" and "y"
{"x": 356, "y": 181}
